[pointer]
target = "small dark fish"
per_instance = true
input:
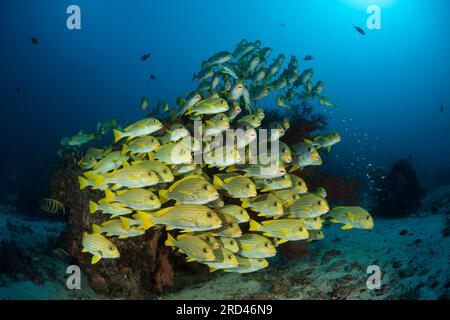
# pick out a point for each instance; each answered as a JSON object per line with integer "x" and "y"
{"x": 145, "y": 57}
{"x": 34, "y": 40}
{"x": 442, "y": 107}
{"x": 360, "y": 30}
{"x": 152, "y": 76}
{"x": 308, "y": 57}
{"x": 52, "y": 206}
{"x": 18, "y": 90}
{"x": 282, "y": 24}
{"x": 410, "y": 157}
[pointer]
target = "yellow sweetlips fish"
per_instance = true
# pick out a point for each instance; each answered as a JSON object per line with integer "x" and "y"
{"x": 141, "y": 145}
{"x": 218, "y": 203}
{"x": 229, "y": 244}
{"x": 163, "y": 171}
{"x": 194, "y": 247}
{"x": 250, "y": 120}
{"x": 247, "y": 265}
{"x": 298, "y": 184}
{"x": 236, "y": 187}
{"x": 122, "y": 228}
{"x": 315, "y": 235}
{"x": 188, "y": 217}
{"x": 222, "y": 157}
{"x": 253, "y": 245}
{"x": 260, "y": 114}
{"x": 267, "y": 205}
{"x": 326, "y": 141}
{"x": 312, "y": 223}
{"x": 177, "y": 132}
{"x": 285, "y": 153}
{"x": 352, "y": 217}
{"x": 208, "y": 106}
{"x": 132, "y": 177}
{"x": 115, "y": 209}
{"x": 209, "y": 238}
{"x": 90, "y": 157}
{"x": 240, "y": 214}
{"x": 143, "y": 127}
{"x": 321, "y": 192}
{"x": 224, "y": 259}
{"x": 284, "y": 229}
{"x": 99, "y": 247}
{"x": 173, "y": 153}
{"x": 308, "y": 206}
{"x": 136, "y": 199}
{"x": 274, "y": 184}
{"x": 110, "y": 162}
{"x": 217, "y": 124}
{"x": 269, "y": 170}
{"x": 287, "y": 196}
{"x": 230, "y": 227}
{"x": 192, "y": 189}
{"x": 305, "y": 155}
{"x": 182, "y": 169}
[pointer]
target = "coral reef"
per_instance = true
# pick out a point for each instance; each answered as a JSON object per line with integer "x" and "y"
{"x": 437, "y": 201}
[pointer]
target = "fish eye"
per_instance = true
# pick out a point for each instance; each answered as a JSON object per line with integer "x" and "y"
{"x": 275, "y": 204}
{"x": 152, "y": 198}
{"x": 266, "y": 245}
{"x": 301, "y": 229}
{"x": 368, "y": 218}
{"x": 309, "y": 149}
{"x": 319, "y": 202}
{"x": 209, "y": 215}
{"x": 205, "y": 250}
{"x": 205, "y": 187}
{"x": 260, "y": 260}
{"x": 111, "y": 248}
{"x": 231, "y": 242}
{"x": 248, "y": 186}
{"x": 165, "y": 171}
{"x": 229, "y": 257}
{"x": 230, "y": 224}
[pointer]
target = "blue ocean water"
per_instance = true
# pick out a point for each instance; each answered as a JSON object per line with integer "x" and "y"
{"x": 388, "y": 85}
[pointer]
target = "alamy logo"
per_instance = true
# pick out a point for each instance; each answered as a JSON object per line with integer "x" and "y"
{"x": 374, "y": 280}
{"x": 374, "y": 20}
{"x": 73, "y": 21}
{"x": 74, "y": 280}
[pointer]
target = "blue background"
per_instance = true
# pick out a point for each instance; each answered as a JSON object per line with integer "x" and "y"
{"x": 388, "y": 85}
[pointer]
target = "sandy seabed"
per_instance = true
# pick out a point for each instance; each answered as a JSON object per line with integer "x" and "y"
{"x": 412, "y": 253}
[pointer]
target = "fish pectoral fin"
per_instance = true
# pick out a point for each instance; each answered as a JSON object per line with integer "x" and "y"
{"x": 95, "y": 259}
{"x": 280, "y": 241}
{"x": 334, "y": 221}
{"x": 84, "y": 250}
{"x": 346, "y": 227}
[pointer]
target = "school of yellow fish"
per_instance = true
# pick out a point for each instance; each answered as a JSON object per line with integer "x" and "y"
{"x": 150, "y": 180}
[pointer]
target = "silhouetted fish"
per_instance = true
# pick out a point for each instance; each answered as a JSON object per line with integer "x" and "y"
{"x": 145, "y": 57}
{"x": 308, "y": 57}
{"x": 152, "y": 76}
{"x": 282, "y": 24}
{"x": 18, "y": 90}
{"x": 359, "y": 30}
{"x": 442, "y": 107}
{"x": 34, "y": 40}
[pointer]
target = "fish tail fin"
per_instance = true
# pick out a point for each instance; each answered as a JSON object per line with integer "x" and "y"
{"x": 98, "y": 180}
{"x": 109, "y": 196}
{"x": 83, "y": 182}
{"x": 163, "y": 196}
{"x": 170, "y": 242}
{"x": 254, "y": 226}
{"x": 96, "y": 229}
{"x": 231, "y": 168}
{"x": 117, "y": 135}
{"x": 245, "y": 204}
{"x": 124, "y": 149}
{"x": 146, "y": 219}
{"x": 217, "y": 182}
{"x": 95, "y": 259}
{"x": 93, "y": 207}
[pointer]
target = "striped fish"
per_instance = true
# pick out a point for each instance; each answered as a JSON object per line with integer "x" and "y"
{"x": 52, "y": 206}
